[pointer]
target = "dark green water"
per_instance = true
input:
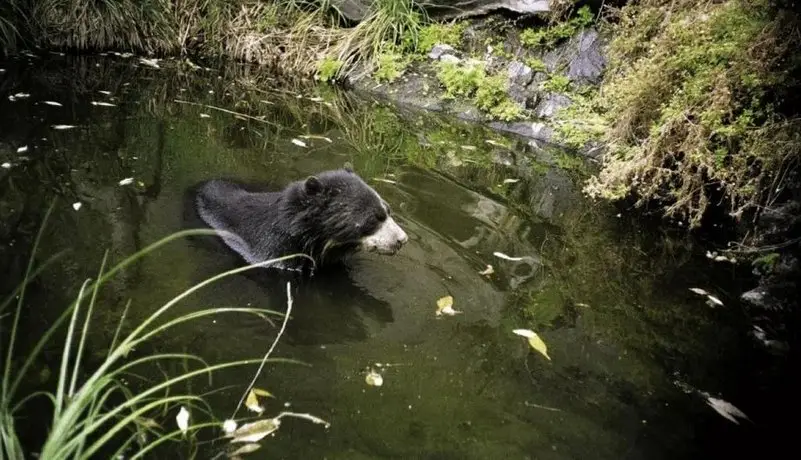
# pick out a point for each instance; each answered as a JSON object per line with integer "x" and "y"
{"x": 610, "y": 298}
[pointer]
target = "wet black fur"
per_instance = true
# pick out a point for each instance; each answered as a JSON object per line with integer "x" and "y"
{"x": 324, "y": 216}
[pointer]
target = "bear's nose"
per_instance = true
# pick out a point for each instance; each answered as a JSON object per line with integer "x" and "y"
{"x": 402, "y": 238}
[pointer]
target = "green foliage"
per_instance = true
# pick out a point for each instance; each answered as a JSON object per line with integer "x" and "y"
{"x": 556, "y": 84}
{"x": 550, "y": 36}
{"x": 461, "y": 79}
{"x": 491, "y": 92}
{"x": 390, "y": 65}
{"x": 328, "y": 69}
{"x": 506, "y": 110}
{"x": 695, "y": 88}
{"x": 536, "y": 65}
{"x": 436, "y": 33}
{"x": 766, "y": 263}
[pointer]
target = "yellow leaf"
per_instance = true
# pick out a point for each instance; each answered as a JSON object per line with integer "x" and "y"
{"x": 263, "y": 393}
{"x": 252, "y": 403}
{"x": 537, "y": 344}
{"x": 445, "y": 306}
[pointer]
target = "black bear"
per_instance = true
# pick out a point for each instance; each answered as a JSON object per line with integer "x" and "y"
{"x": 325, "y": 216}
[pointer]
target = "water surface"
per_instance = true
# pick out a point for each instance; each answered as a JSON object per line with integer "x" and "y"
{"x": 609, "y": 297}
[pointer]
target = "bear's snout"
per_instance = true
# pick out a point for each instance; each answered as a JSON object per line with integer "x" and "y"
{"x": 388, "y": 239}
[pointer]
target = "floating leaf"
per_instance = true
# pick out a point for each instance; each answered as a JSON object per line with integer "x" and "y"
{"x": 534, "y": 340}
{"x": 246, "y": 449}
{"x": 511, "y": 181}
{"x": 312, "y": 136}
{"x": 53, "y": 103}
{"x": 252, "y": 403}
{"x": 445, "y": 306}
{"x": 6, "y": 165}
{"x": 62, "y": 127}
{"x": 487, "y": 271}
{"x": 103, "y": 104}
{"x": 150, "y": 62}
{"x": 299, "y": 142}
{"x": 699, "y": 291}
{"x": 726, "y": 409}
{"x": 77, "y": 205}
{"x": 205, "y": 115}
{"x": 713, "y": 301}
{"x": 253, "y": 432}
{"x": 501, "y": 255}
{"x": 229, "y": 426}
{"x": 374, "y": 379}
{"x": 107, "y": 93}
{"x": 22, "y": 149}
{"x": 127, "y": 181}
{"x": 182, "y": 419}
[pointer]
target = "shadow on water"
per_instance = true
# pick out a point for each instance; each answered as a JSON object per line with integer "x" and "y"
{"x": 609, "y": 297}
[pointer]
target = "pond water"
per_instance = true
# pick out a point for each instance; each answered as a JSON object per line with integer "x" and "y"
{"x": 631, "y": 347}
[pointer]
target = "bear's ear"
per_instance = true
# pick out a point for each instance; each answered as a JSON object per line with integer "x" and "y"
{"x": 312, "y": 186}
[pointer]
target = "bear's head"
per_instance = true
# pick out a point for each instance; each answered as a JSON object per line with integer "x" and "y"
{"x": 337, "y": 211}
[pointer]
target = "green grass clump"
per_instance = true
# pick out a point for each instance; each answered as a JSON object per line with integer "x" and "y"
{"x": 328, "y": 69}
{"x": 556, "y": 84}
{"x": 437, "y": 33}
{"x": 548, "y": 37}
{"x": 694, "y": 98}
{"x": 461, "y": 79}
{"x": 390, "y": 65}
{"x": 536, "y": 65}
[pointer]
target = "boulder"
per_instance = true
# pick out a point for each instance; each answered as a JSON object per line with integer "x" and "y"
{"x": 355, "y": 10}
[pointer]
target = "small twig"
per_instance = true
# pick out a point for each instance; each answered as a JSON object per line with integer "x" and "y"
{"x": 269, "y": 352}
{"x": 220, "y": 109}
{"x": 771, "y": 247}
{"x": 553, "y": 409}
{"x": 308, "y": 417}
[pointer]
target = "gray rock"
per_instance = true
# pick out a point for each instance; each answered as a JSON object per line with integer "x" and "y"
{"x": 589, "y": 61}
{"x": 519, "y": 73}
{"x": 439, "y": 49}
{"x": 757, "y": 297}
{"x": 356, "y": 10}
{"x": 550, "y": 104}
{"x": 449, "y": 58}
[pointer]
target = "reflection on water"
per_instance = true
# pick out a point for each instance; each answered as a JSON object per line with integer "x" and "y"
{"x": 609, "y": 297}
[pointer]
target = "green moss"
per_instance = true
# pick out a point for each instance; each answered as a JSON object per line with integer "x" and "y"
{"x": 536, "y": 65}
{"x": 436, "y": 33}
{"x": 328, "y": 69}
{"x": 766, "y": 263}
{"x": 489, "y": 93}
{"x": 460, "y": 79}
{"x": 556, "y": 84}
{"x": 550, "y": 36}
{"x": 390, "y": 65}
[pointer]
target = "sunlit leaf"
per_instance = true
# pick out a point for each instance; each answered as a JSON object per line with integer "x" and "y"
{"x": 253, "y": 432}
{"x": 107, "y": 93}
{"x": 312, "y": 136}
{"x": 487, "y": 271}
{"x": 299, "y": 142}
{"x": 22, "y": 149}
{"x": 103, "y": 104}
{"x": 246, "y": 449}
{"x": 182, "y": 419}
{"x": 62, "y": 127}
{"x": 445, "y": 306}
{"x": 511, "y": 181}
{"x": 150, "y": 62}
{"x": 699, "y": 291}
{"x": 205, "y": 115}
{"x": 77, "y": 205}
{"x": 252, "y": 403}
{"x": 501, "y": 255}
{"x": 127, "y": 181}
{"x": 726, "y": 409}
{"x": 374, "y": 379}
{"x": 6, "y": 165}
{"x": 713, "y": 301}
{"x": 469, "y": 147}
{"x": 263, "y": 393}
{"x": 534, "y": 340}
{"x": 53, "y": 103}
{"x": 388, "y": 181}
